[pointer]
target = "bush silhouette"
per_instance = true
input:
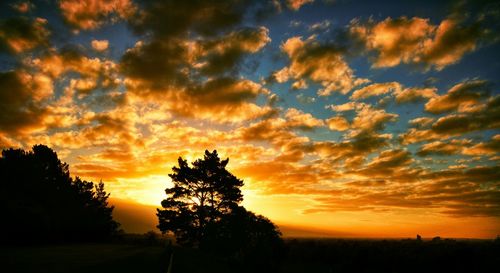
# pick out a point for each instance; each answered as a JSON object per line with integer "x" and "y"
{"x": 42, "y": 203}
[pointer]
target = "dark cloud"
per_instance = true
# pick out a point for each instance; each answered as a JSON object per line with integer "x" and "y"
{"x": 360, "y": 144}
{"x": 190, "y": 56}
{"x": 171, "y": 18}
{"x": 387, "y": 163}
{"x": 487, "y": 117}
{"x": 156, "y": 66}
{"x": 222, "y": 55}
{"x": 20, "y": 34}
{"x": 20, "y": 105}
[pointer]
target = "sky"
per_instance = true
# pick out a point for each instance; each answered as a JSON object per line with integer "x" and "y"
{"x": 367, "y": 118}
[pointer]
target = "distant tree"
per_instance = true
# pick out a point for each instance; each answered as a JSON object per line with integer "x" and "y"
{"x": 43, "y": 203}
{"x": 201, "y": 209}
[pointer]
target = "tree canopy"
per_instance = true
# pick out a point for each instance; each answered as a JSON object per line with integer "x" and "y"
{"x": 43, "y": 203}
{"x": 202, "y": 209}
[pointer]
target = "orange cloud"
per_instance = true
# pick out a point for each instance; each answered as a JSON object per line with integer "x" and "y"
{"x": 491, "y": 147}
{"x": 320, "y": 63}
{"x": 370, "y": 119}
{"x": 100, "y": 45}
{"x": 376, "y": 89}
{"x": 222, "y": 100}
{"x": 416, "y": 41}
{"x": 421, "y": 122}
{"x": 337, "y": 123}
{"x": 442, "y": 148}
{"x": 296, "y": 4}
{"x": 414, "y": 94}
{"x": 91, "y": 14}
{"x": 459, "y": 97}
{"x": 298, "y": 119}
{"x": 451, "y": 41}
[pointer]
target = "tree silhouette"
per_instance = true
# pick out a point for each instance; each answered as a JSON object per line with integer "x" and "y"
{"x": 201, "y": 209}
{"x": 201, "y": 195}
{"x": 42, "y": 203}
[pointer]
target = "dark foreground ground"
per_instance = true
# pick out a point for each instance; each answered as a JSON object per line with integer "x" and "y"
{"x": 327, "y": 255}
{"x": 84, "y": 258}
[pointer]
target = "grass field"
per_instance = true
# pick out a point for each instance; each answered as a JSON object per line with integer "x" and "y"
{"x": 303, "y": 255}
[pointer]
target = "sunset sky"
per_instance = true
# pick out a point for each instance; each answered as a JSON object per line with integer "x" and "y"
{"x": 366, "y": 118}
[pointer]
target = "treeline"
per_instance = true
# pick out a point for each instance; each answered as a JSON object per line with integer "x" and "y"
{"x": 42, "y": 203}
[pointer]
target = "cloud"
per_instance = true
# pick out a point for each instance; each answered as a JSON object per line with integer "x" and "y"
{"x": 487, "y": 117}
{"x": 157, "y": 65}
{"x": 459, "y": 97}
{"x": 91, "y": 14}
{"x": 23, "y": 7}
{"x": 458, "y": 192}
{"x": 8, "y": 142}
{"x": 296, "y": 4}
{"x": 305, "y": 99}
{"x": 414, "y": 135}
{"x": 414, "y": 94}
{"x": 376, "y": 89}
{"x": 371, "y": 119}
{"x": 100, "y": 45}
{"x": 337, "y": 123}
{"x": 491, "y": 147}
{"x": 220, "y": 99}
{"x": 387, "y": 163}
{"x": 320, "y": 26}
{"x": 451, "y": 41}
{"x": 461, "y": 146}
{"x": 348, "y": 106}
{"x": 416, "y": 41}
{"x": 367, "y": 118}
{"x": 93, "y": 74}
{"x": 360, "y": 143}
{"x": 216, "y": 56}
{"x": 421, "y": 122}
{"x": 20, "y": 34}
{"x": 169, "y": 19}
{"x": 320, "y": 63}
{"x": 192, "y": 59}
{"x": 472, "y": 110}
{"x": 22, "y": 97}
{"x": 442, "y": 148}
{"x": 298, "y": 119}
